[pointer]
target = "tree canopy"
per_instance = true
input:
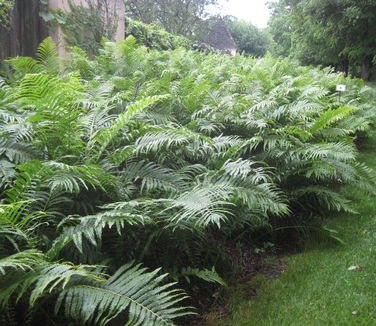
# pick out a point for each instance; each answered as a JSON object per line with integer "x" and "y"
{"x": 182, "y": 17}
{"x": 249, "y": 39}
{"x": 329, "y": 32}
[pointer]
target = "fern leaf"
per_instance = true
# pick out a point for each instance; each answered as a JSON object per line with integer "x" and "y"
{"x": 107, "y": 135}
{"x": 154, "y": 177}
{"x": 331, "y": 116}
{"x": 130, "y": 290}
{"x": 91, "y": 227}
{"x": 24, "y": 260}
{"x": 204, "y": 274}
{"x": 47, "y": 56}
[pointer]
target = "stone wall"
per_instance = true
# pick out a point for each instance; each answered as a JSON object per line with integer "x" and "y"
{"x": 117, "y": 5}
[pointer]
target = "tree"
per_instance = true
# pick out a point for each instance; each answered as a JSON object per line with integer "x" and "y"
{"x": 182, "y": 17}
{"x": 351, "y": 24}
{"x": 280, "y": 28}
{"x": 329, "y": 32}
{"x": 248, "y": 38}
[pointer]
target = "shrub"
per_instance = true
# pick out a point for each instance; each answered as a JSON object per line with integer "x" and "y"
{"x": 155, "y": 37}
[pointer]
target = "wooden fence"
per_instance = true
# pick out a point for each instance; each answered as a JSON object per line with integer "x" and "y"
{"x": 26, "y": 30}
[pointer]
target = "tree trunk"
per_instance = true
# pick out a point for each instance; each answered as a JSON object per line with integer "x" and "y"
{"x": 345, "y": 66}
{"x": 367, "y": 67}
{"x": 25, "y": 32}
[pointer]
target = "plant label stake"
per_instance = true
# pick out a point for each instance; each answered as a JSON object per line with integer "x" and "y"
{"x": 339, "y": 89}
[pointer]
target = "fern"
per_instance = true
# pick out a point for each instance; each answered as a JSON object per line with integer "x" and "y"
{"x": 204, "y": 274}
{"x": 96, "y": 166}
{"x": 47, "y": 56}
{"x": 154, "y": 177}
{"x": 131, "y": 289}
{"x": 24, "y": 260}
{"x": 92, "y": 227}
{"x": 18, "y": 226}
{"x": 331, "y": 116}
{"x": 106, "y": 136}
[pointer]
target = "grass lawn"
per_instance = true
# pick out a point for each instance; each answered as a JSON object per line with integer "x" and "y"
{"x": 317, "y": 288}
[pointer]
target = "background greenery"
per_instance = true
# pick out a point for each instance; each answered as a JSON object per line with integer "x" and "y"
{"x": 155, "y": 37}
{"x": 327, "y": 32}
{"x": 250, "y": 39}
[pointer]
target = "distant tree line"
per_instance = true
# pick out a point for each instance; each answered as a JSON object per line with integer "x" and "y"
{"x": 191, "y": 18}
{"x": 338, "y": 33}
{"x": 181, "y": 17}
{"x": 250, "y": 39}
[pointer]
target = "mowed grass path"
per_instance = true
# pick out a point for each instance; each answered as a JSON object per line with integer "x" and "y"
{"x": 318, "y": 289}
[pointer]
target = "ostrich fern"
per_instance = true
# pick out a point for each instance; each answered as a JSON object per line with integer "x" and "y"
{"x": 162, "y": 159}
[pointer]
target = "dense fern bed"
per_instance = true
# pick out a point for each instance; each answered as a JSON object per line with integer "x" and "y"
{"x": 326, "y": 283}
{"x": 161, "y": 159}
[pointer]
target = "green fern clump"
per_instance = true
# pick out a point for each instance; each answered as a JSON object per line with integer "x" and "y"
{"x": 160, "y": 158}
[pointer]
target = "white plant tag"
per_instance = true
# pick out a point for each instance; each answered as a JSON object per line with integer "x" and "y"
{"x": 341, "y": 88}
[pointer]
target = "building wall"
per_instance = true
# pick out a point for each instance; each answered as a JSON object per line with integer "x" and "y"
{"x": 57, "y": 34}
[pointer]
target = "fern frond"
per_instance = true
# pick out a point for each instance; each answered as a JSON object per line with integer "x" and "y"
{"x": 324, "y": 197}
{"x": 342, "y": 151}
{"x": 200, "y": 206}
{"x": 331, "y": 116}
{"x": 164, "y": 138}
{"x": 366, "y": 178}
{"x": 7, "y": 172}
{"x": 18, "y": 226}
{"x": 29, "y": 176}
{"x": 130, "y": 290}
{"x": 204, "y": 274}
{"x": 154, "y": 177}
{"x": 24, "y": 260}
{"x": 47, "y": 56}
{"x": 91, "y": 227}
{"x": 243, "y": 168}
{"x": 71, "y": 178}
{"x": 107, "y": 135}
{"x": 43, "y": 279}
{"x": 24, "y": 65}
{"x": 17, "y": 152}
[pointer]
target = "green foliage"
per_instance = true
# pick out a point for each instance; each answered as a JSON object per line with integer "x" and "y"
{"x": 205, "y": 274}
{"x": 250, "y": 39}
{"x": 326, "y": 32}
{"x": 161, "y": 159}
{"x": 279, "y": 26}
{"x": 155, "y": 37}
{"x": 130, "y": 289}
{"x": 86, "y": 25}
{"x": 291, "y": 299}
{"x": 179, "y": 17}
{"x": 6, "y": 7}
